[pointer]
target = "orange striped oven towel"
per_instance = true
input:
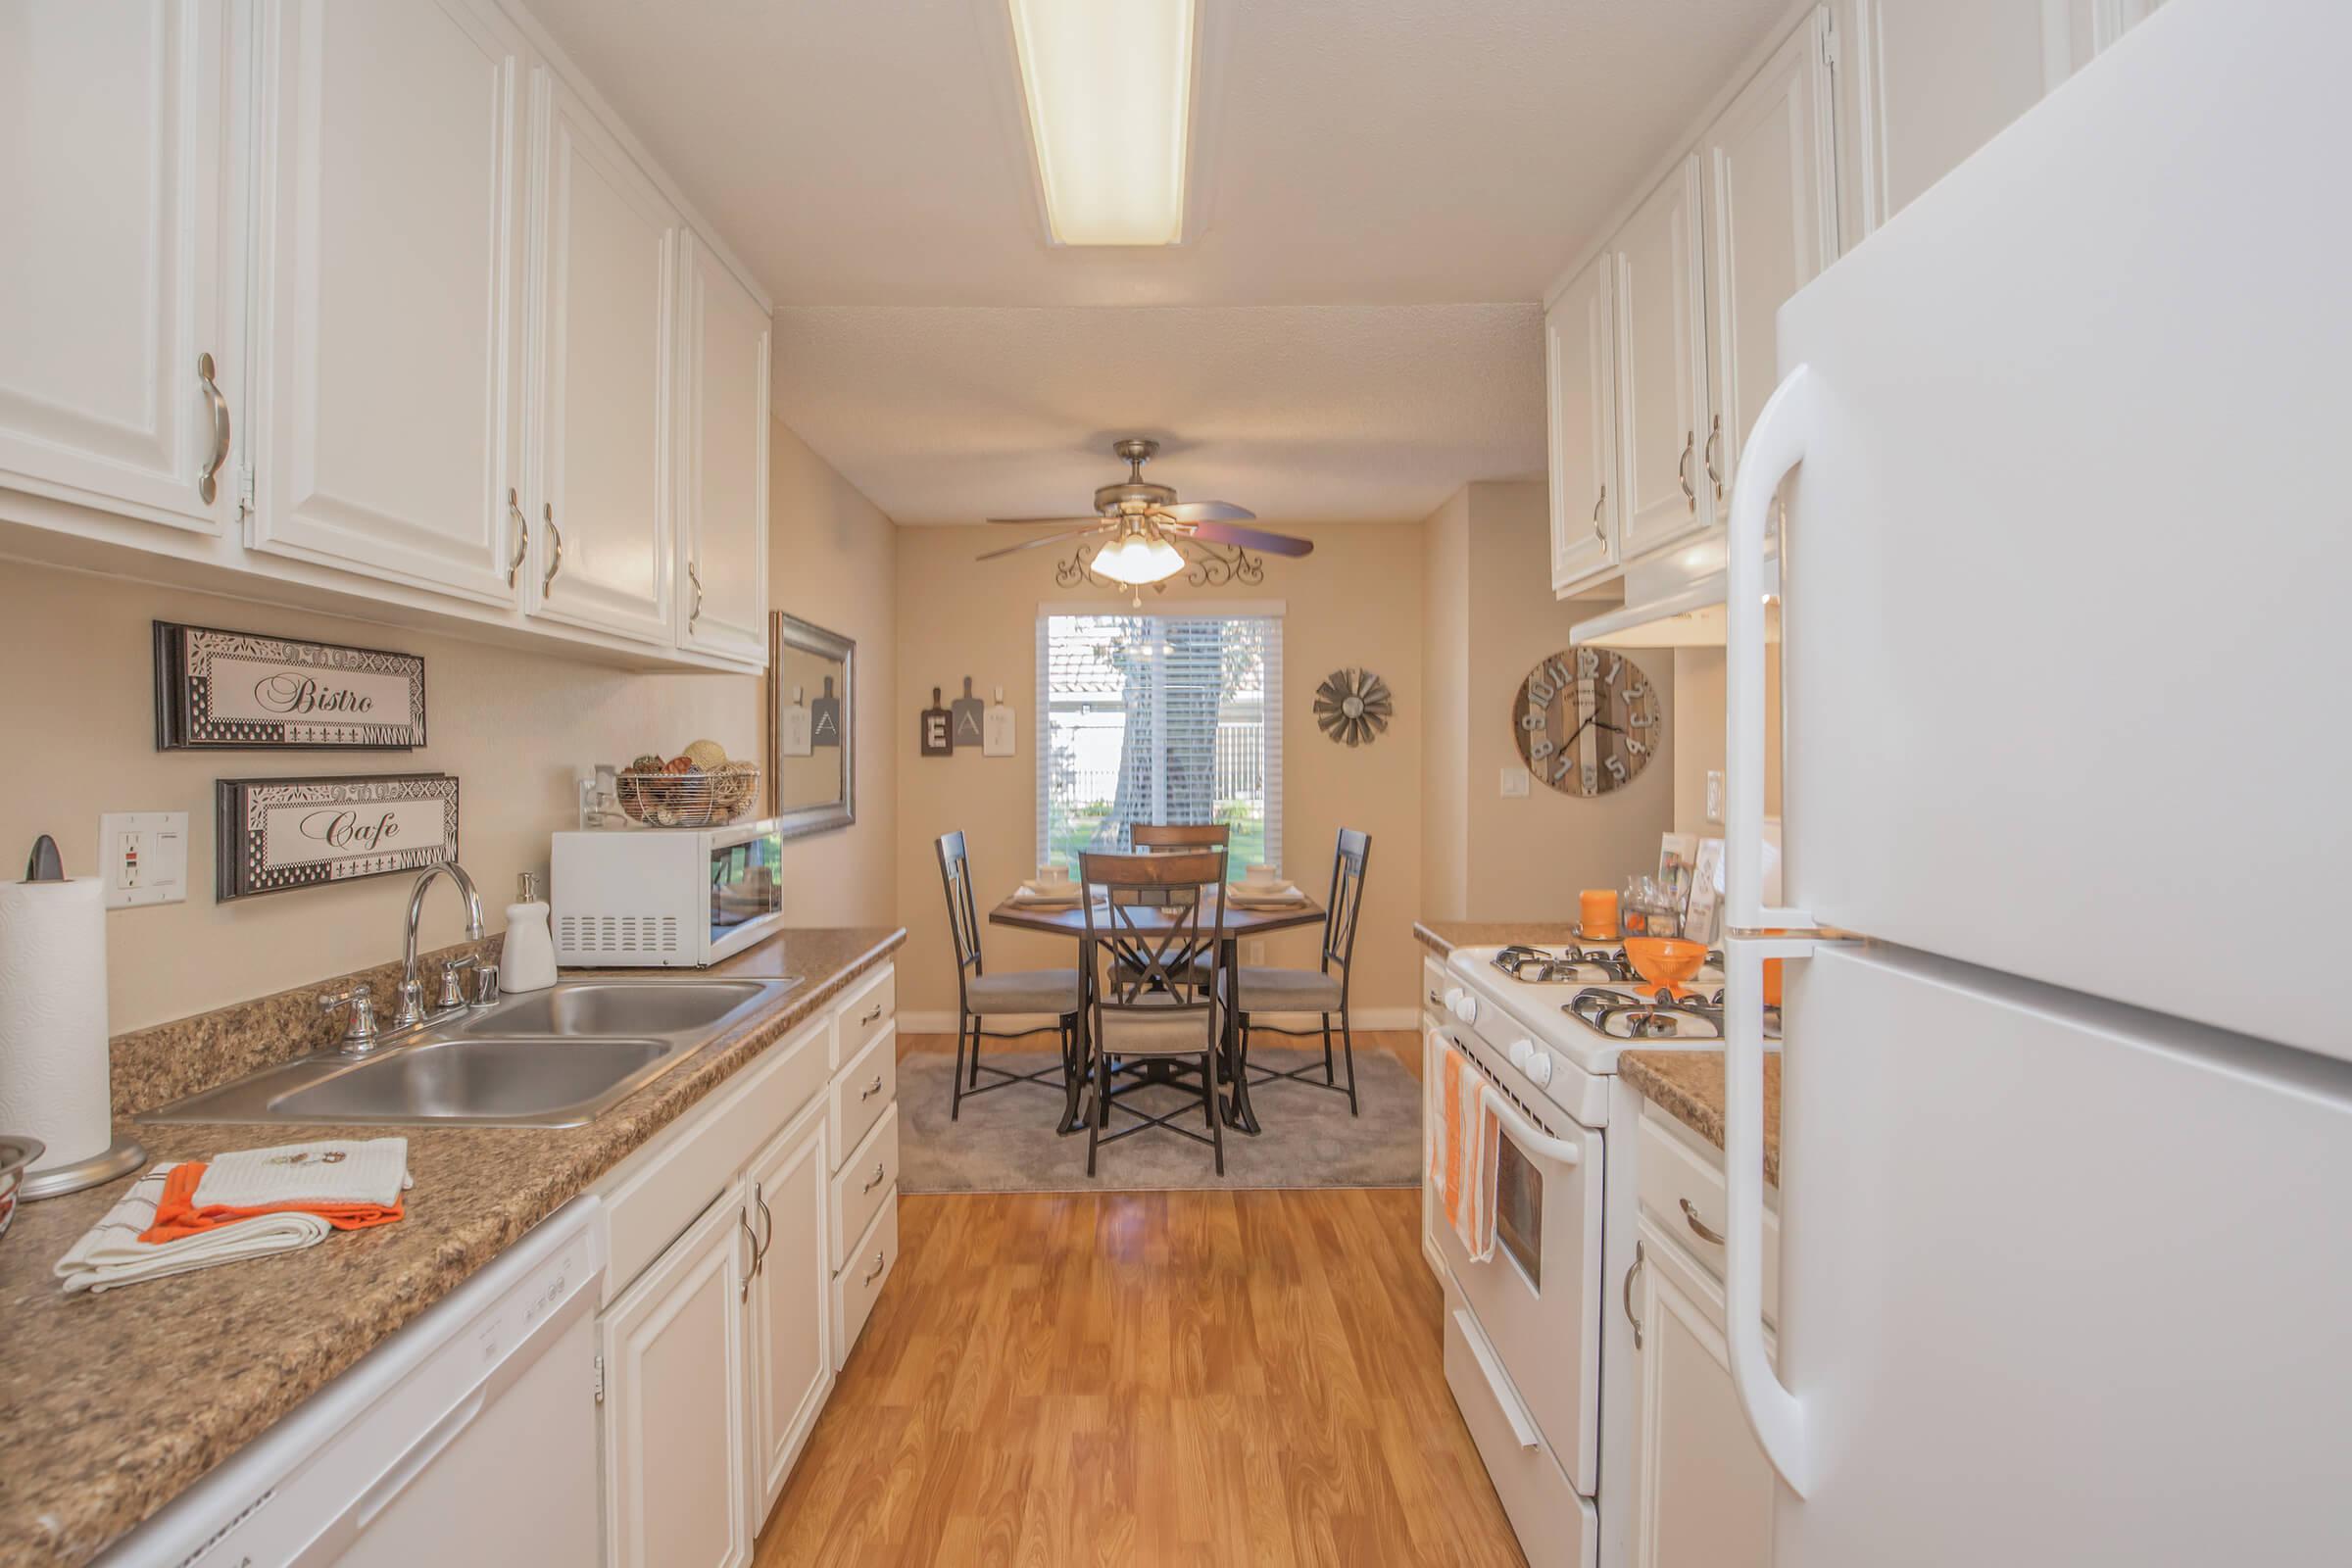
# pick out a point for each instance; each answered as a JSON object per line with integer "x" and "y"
{"x": 1464, "y": 1138}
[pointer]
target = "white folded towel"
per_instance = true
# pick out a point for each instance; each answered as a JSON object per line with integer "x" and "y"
{"x": 338, "y": 1170}
{"x": 110, "y": 1252}
{"x": 1245, "y": 892}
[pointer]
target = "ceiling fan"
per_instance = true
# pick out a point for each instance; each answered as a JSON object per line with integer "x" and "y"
{"x": 1145, "y": 521}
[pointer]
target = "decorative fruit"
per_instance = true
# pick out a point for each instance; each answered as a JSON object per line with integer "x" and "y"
{"x": 708, "y": 755}
{"x": 680, "y": 764}
{"x": 647, "y": 763}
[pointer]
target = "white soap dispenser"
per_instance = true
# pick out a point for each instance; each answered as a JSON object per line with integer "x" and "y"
{"x": 528, "y": 960}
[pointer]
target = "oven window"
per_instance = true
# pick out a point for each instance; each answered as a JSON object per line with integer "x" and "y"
{"x": 1519, "y": 1211}
{"x": 744, "y": 883}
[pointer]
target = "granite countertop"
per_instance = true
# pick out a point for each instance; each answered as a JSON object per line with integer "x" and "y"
{"x": 1442, "y": 937}
{"x": 1688, "y": 1085}
{"x": 118, "y": 1400}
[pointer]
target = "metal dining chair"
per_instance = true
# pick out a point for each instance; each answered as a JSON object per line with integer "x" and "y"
{"x": 1160, "y": 911}
{"x": 1320, "y": 990}
{"x": 980, "y": 995}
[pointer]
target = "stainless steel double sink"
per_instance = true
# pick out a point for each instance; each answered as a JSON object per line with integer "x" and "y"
{"x": 544, "y": 1059}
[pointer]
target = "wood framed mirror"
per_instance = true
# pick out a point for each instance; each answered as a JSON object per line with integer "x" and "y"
{"x": 812, "y": 727}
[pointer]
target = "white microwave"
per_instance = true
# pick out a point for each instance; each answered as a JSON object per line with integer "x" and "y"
{"x": 681, "y": 898}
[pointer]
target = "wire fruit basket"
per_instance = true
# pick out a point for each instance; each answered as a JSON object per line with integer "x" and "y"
{"x": 692, "y": 798}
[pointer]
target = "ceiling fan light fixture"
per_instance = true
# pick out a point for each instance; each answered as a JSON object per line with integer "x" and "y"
{"x": 1109, "y": 90}
{"x": 1137, "y": 559}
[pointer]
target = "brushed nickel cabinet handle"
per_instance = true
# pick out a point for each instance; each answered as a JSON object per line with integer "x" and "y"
{"x": 875, "y": 1270}
{"x": 1682, "y": 468}
{"x": 873, "y": 1089}
{"x": 1641, "y": 1261}
{"x": 871, "y": 1017}
{"x": 1715, "y": 440}
{"x": 554, "y": 563}
{"x": 767, "y": 1225}
{"x": 694, "y": 575}
{"x": 208, "y": 483}
{"x": 1599, "y": 502}
{"x": 874, "y": 1182}
{"x": 1699, "y": 1227}
{"x": 522, "y": 535}
{"x": 745, "y": 1220}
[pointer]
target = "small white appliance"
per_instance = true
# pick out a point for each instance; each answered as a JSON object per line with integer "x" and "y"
{"x": 1530, "y": 1353}
{"x": 667, "y": 898}
{"x": 468, "y": 1437}
{"x": 2063, "y": 1262}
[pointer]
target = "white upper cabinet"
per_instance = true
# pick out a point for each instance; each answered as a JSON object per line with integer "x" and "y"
{"x": 116, "y": 271}
{"x": 1580, "y": 403}
{"x": 1662, "y": 368}
{"x": 722, "y": 455}
{"x": 386, "y": 409}
{"x": 1772, "y": 227}
{"x": 605, "y": 270}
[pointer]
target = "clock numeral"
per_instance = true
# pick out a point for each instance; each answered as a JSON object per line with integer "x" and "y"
{"x": 1641, "y": 720}
{"x": 1616, "y": 766}
{"x": 1592, "y": 780}
{"x": 1560, "y": 769}
{"x": 1616, "y": 668}
{"x": 1587, "y": 662}
{"x": 1539, "y": 748}
{"x": 1636, "y": 691}
{"x": 1633, "y": 746}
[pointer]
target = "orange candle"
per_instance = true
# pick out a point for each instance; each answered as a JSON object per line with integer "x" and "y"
{"x": 1597, "y": 914}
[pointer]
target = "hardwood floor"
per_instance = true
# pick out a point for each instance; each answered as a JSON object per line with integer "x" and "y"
{"x": 1213, "y": 1378}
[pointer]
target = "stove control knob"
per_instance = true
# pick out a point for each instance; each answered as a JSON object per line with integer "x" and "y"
{"x": 1454, "y": 1000}
{"x": 1467, "y": 1010}
{"x": 1537, "y": 1067}
{"x": 1520, "y": 1050}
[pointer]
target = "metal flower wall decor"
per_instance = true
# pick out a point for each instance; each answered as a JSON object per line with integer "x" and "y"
{"x": 1354, "y": 707}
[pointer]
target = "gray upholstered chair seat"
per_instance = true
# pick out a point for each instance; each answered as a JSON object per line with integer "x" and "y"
{"x": 1133, "y": 1032}
{"x": 1054, "y": 990}
{"x": 1265, "y": 989}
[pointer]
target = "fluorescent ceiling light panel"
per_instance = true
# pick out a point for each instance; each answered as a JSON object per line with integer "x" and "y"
{"x": 1109, "y": 89}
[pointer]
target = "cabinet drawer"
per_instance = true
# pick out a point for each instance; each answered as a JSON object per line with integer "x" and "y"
{"x": 1672, "y": 1175}
{"x": 862, "y": 1278}
{"x": 866, "y": 1011}
{"x": 1543, "y": 1508}
{"x": 863, "y": 1090}
{"x": 663, "y": 1185}
{"x": 863, "y": 1183}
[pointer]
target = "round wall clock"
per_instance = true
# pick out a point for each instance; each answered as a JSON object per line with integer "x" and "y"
{"x": 1586, "y": 721}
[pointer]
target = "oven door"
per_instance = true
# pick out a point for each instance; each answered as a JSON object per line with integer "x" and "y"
{"x": 1538, "y": 1298}
{"x": 746, "y": 900}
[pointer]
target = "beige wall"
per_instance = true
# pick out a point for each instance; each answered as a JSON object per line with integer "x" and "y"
{"x": 1523, "y": 858}
{"x": 832, "y": 559}
{"x": 511, "y": 724}
{"x": 1355, "y": 602}
{"x": 1700, "y": 735}
{"x": 1446, "y": 733}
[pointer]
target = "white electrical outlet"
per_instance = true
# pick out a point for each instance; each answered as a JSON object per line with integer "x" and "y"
{"x": 143, "y": 858}
{"x": 1514, "y": 783}
{"x": 1715, "y": 795}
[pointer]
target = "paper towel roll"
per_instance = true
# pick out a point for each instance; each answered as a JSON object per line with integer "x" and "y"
{"x": 53, "y": 1058}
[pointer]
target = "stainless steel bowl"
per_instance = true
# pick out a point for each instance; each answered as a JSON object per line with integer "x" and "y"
{"x": 15, "y": 1153}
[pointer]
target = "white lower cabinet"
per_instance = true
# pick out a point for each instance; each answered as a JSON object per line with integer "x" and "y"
{"x": 676, "y": 1435}
{"x": 718, "y": 1349}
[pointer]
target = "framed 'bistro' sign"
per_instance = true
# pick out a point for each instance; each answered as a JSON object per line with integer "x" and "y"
{"x": 233, "y": 689}
{"x": 275, "y": 834}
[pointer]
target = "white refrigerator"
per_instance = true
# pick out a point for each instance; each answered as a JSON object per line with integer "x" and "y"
{"x": 2066, "y": 1269}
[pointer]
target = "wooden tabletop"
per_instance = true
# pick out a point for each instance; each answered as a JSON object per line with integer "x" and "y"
{"x": 1238, "y": 922}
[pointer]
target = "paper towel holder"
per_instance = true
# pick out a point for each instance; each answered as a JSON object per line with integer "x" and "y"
{"x": 121, "y": 1157}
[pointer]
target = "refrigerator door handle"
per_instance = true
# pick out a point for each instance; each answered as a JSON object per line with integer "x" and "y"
{"x": 1774, "y": 1414}
{"x": 1774, "y": 445}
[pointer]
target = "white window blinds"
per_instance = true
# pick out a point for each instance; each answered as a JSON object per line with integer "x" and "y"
{"x": 1158, "y": 718}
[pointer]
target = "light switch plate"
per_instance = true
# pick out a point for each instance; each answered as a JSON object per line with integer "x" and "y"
{"x": 1715, "y": 795}
{"x": 143, "y": 858}
{"x": 1514, "y": 783}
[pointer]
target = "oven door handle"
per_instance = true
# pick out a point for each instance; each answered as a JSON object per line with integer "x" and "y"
{"x": 1523, "y": 1132}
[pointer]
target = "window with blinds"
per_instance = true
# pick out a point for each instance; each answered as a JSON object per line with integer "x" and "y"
{"x": 1158, "y": 718}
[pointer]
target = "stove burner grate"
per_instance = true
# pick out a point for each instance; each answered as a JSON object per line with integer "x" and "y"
{"x": 1571, "y": 965}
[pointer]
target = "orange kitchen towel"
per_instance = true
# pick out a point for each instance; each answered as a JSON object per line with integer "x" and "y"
{"x": 1464, "y": 1140}
{"x": 177, "y": 1214}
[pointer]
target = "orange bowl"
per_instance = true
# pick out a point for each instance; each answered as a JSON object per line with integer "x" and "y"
{"x": 1665, "y": 960}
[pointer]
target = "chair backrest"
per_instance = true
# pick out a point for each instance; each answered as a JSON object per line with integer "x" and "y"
{"x": 1160, "y": 913}
{"x": 1179, "y": 834}
{"x": 963, "y": 917}
{"x": 1347, "y": 900}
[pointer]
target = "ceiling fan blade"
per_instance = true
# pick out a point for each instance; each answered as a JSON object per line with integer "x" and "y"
{"x": 1273, "y": 544}
{"x": 1048, "y": 539}
{"x": 1208, "y": 512}
{"x": 1065, "y": 521}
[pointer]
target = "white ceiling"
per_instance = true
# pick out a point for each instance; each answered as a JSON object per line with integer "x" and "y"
{"x": 1358, "y": 153}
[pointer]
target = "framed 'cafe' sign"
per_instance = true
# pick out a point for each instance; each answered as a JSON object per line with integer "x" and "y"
{"x": 274, "y": 834}
{"x": 231, "y": 689}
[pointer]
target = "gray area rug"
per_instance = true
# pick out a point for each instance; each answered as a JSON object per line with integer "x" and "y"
{"x": 1006, "y": 1143}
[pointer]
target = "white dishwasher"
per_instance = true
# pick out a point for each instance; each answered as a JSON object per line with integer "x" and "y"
{"x": 468, "y": 1437}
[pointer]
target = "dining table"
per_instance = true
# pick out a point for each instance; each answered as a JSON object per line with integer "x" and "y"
{"x": 1069, "y": 920}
